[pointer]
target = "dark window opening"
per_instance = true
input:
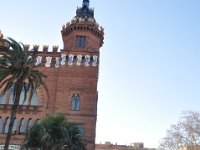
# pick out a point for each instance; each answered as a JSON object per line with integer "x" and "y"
{"x": 80, "y": 41}
{"x": 75, "y": 103}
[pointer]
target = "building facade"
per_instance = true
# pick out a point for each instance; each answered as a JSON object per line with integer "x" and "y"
{"x": 133, "y": 146}
{"x": 192, "y": 147}
{"x": 72, "y": 77}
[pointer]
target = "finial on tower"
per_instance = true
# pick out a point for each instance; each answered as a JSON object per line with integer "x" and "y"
{"x": 86, "y": 3}
{"x": 84, "y": 11}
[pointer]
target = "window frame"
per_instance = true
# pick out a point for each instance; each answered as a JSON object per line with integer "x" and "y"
{"x": 80, "y": 41}
{"x": 75, "y": 102}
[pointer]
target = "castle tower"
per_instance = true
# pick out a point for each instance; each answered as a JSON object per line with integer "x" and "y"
{"x": 82, "y": 39}
{"x": 72, "y": 76}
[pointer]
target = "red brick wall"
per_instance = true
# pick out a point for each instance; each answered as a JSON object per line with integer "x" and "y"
{"x": 65, "y": 81}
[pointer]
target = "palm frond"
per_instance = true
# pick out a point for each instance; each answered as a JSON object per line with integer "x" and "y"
{"x": 18, "y": 69}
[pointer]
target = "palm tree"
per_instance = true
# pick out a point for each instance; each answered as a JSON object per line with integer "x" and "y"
{"x": 17, "y": 68}
{"x": 54, "y": 133}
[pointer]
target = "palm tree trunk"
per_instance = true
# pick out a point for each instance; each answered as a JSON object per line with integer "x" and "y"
{"x": 13, "y": 114}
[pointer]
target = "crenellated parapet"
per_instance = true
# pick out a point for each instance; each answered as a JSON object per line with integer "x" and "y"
{"x": 84, "y": 24}
{"x": 54, "y": 58}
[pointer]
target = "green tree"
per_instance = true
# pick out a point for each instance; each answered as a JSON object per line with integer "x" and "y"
{"x": 54, "y": 133}
{"x": 17, "y": 68}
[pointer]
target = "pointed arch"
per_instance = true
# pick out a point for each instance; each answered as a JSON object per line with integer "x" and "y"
{"x": 11, "y": 98}
{"x": 7, "y": 125}
{"x": 30, "y": 123}
{"x": 22, "y": 126}
{"x": 14, "y": 130}
{"x": 22, "y": 100}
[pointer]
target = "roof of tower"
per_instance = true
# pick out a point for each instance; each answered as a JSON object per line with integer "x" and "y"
{"x": 85, "y": 11}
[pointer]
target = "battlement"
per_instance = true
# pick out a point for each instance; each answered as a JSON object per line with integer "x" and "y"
{"x": 84, "y": 24}
{"x": 83, "y": 21}
{"x": 44, "y": 49}
{"x": 54, "y": 58}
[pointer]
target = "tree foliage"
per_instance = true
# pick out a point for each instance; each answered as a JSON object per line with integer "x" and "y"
{"x": 183, "y": 134}
{"x": 18, "y": 69}
{"x": 54, "y": 133}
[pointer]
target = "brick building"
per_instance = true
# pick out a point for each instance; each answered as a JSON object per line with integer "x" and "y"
{"x": 110, "y": 146}
{"x": 192, "y": 147}
{"x": 72, "y": 81}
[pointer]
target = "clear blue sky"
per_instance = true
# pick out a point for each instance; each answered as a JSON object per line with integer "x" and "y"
{"x": 149, "y": 65}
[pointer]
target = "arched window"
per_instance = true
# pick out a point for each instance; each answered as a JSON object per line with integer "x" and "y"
{"x": 7, "y": 125}
{"x": 1, "y": 125}
{"x": 3, "y": 99}
{"x": 22, "y": 126}
{"x": 11, "y": 99}
{"x": 23, "y": 101}
{"x": 35, "y": 100}
{"x": 15, "y": 126}
{"x": 30, "y": 123}
{"x": 75, "y": 104}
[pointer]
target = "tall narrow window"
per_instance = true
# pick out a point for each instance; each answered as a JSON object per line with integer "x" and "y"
{"x": 15, "y": 126}
{"x": 1, "y": 125}
{"x": 30, "y": 123}
{"x": 7, "y": 125}
{"x": 3, "y": 99}
{"x": 11, "y": 99}
{"x": 35, "y": 100}
{"x": 75, "y": 103}
{"x": 80, "y": 41}
{"x": 22, "y": 126}
{"x": 22, "y": 100}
